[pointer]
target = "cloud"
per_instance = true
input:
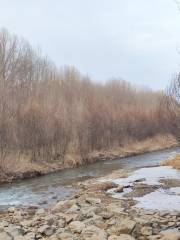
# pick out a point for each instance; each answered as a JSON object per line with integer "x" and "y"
{"x": 136, "y": 40}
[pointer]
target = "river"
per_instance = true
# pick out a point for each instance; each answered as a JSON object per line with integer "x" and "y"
{"x": 48, "y": 189}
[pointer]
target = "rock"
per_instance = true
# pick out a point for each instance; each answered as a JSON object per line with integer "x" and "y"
{"x": 40, "y": 211}
{"x": 76, "y": 226}
{"x": 28, "y": 236}
{"x": 154, "y": 237}
{"x": 61, "y": 223}
{"x": 93, "y": 233}
{"x": 146, "y": 231}
{"x": 26, "y": 223}
{"x": 95, "y": 220}
{"x": 114, "y": 208}
{"x": 125, "y": 226}
{"x": 119, "y": 189}
{"x": 93, "y": 200}
{"x": 5, "y": 236}
{"x": 50, "y": 219}
{"x": 14, "y": 231}
{"x": 69, "y": 217}
{"x": 45, "y": 229}
{"x": 63, "y": 205}
{"x": 11, "y": 210}
{"x": 65, "y": 236}
{"x": 121, "y": 237}
{"x": 103, "y": 186}
{"x": 4, "y": 224}
{"x": 170, "y": 235}
{"x": 73, "y": 209}
{"x": 106, "y": 215}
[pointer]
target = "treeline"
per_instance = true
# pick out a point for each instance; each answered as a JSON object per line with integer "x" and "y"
{"x": 170, "y": 108}
{"x": 47, "y": 113}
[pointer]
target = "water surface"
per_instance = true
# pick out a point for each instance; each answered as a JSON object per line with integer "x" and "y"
{"x": 52, "y": 187}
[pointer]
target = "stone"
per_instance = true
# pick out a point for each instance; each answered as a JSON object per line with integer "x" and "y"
{"x": 63, "y": 205}
{"x": 103, "y": 186}
{"x": 170, "y": 235}
{"x": 26, "y": 223}
{"x": 125, "y": 226}
{"x": 76, "y": 226}
{"x": 73, "y": 209}
{"x": 11, "y": 210}
{"x": 40, "y": 211}
{"x": 5, "y": 236}
{"x": 146, "y": 231}
{"x": 106, "y": 215}
{"x": 119, "y": 189}
{"x": 28, "y": 236}
{"x": 95, "y": 220}
{"x": 61, "y": 223}
{"x": 14, "y": 231}
{"x": 93, "y": 200}
{"x": 114, "y": 208}
{"x": 93, "y": 233}
{"x": 65, "y": 236}
{"x": 45, "y": 229}
{"x": 121, "y": 237}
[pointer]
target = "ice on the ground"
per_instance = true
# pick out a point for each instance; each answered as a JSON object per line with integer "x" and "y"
{"x": 151, "y": 175}
{"x": 162, "y": 200}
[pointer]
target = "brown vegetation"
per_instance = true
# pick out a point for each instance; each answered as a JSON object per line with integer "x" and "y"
{"x": 170, "y": 112}
{"x": 174, "y": 162}
{"x": 50, "y": 115}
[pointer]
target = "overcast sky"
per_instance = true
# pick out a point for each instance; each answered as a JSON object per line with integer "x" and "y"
{"x": 137, "y": 40}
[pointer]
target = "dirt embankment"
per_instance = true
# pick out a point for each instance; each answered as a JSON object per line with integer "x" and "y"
{"x": 20, "y": 167}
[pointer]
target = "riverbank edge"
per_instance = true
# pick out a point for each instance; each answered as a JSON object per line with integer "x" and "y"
{"x": 154, "y": 144}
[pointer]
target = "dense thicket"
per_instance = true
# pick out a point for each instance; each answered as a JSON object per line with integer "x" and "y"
{"x": 48, "y": 113}
{"x": 171, "y": 108}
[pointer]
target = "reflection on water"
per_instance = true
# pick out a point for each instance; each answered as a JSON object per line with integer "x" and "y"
{"x": 47, "y": 189}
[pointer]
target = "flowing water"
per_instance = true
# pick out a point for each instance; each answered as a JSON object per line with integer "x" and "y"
{"x": 48, "y": 189}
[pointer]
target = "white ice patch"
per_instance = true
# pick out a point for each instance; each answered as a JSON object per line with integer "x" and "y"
{"x": 161, "y": 199}
{"x": 151, "y": 176}
{"x": 168, "y": 200}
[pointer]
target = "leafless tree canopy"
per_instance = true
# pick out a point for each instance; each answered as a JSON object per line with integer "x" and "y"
{"x": 172, "y": 107}
{"x": 47, "y": 112}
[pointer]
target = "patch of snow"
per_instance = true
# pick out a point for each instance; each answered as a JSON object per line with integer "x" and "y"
{"x": 151, "y": 175}
{"x": 161, "y": 199}
{"x": 167, "y": 200}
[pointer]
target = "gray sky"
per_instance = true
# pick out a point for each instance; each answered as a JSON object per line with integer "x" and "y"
{"x": 137, "y": 40}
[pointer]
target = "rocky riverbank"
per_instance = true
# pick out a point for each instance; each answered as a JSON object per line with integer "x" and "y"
{"x": 93, "y": 214}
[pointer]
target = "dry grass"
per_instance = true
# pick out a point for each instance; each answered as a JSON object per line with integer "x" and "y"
{"x": 131, "y": 148}
{"x": 21, "y": 166}
{"x": 175, "y": 162}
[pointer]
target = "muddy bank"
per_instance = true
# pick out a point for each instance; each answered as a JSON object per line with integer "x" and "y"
{"x": 23, "y": 168}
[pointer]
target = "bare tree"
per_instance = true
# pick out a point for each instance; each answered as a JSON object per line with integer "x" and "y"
{"x": 172, "y": 110}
